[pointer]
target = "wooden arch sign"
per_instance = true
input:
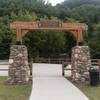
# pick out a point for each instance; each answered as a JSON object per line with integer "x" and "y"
{"x": 22, "y": 28}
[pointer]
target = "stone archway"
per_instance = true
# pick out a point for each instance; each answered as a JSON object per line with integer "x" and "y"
{"x": 18, "y": 69}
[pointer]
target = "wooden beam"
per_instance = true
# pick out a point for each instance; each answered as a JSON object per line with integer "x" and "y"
{"x": 35, "y": 25}
{"x": 23, "y": 27}
{"x": 19, "y": 36}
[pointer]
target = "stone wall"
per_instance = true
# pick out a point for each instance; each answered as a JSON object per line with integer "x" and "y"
{"x": 81, "y": 63}
{"x": 18, "y": 68}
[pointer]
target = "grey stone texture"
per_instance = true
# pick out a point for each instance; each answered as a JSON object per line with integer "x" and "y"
{"x": 18, "y": 68}
{"x": 81, "y": 62}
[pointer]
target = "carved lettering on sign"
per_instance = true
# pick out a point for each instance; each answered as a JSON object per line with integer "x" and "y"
{"x": 50, "y": 24}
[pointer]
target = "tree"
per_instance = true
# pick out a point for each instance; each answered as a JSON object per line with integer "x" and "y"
{"x": 84, "y": 11}
{"x": 95, "y": 43}
{"x": 23, "y": 16}
{"x": 6, "y": 38}
{"x": 44, "y": 43}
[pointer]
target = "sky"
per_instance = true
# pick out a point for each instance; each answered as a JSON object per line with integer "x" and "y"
{"x": 54, "y": 2}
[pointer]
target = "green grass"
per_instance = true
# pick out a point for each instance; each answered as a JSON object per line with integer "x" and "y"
{"x": 14, "y": 92}
{"x": 23, "y": 92}
{"x": 93, "y": 93}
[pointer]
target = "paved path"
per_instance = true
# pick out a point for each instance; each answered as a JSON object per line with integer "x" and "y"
{"x": 48, "y": 84}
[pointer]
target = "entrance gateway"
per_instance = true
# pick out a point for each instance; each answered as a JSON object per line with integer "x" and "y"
{"x": 23, "y": 27}
{"x": 18, "y": 69}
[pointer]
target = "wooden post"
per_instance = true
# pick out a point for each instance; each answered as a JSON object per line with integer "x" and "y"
{"x": 19, "y": 36}
{"x": 63, "y": 73}
{"x": 75, "y": 34}
{"x": 79, "y": 37}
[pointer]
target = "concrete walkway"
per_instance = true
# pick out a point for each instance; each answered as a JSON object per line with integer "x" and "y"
{"x": 48, "y": 84}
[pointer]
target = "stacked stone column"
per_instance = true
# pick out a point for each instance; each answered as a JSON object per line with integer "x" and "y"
{"x": 81, "y": 63}
{"x": 18, "y": 68}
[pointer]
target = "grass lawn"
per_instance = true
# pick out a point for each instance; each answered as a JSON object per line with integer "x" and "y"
{"x": 14, "y": 93}
{"x": 93, "y": 93}
{"x": 23, "y": 92}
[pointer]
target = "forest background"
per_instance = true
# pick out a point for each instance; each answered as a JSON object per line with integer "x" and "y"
{"x": 50, "y": 44}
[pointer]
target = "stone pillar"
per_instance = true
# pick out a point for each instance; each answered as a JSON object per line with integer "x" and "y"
{"x": 18, "y": 68}
{"x": 81, "y": 63}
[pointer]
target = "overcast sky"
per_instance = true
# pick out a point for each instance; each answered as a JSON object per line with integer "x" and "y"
{"x": 54, "y": 2}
